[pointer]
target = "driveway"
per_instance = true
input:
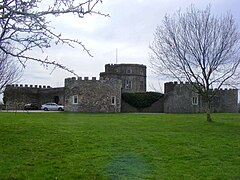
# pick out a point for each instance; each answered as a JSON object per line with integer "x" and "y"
{"x": 28, "y": 111}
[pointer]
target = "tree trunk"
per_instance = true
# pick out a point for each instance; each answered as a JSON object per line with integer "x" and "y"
{"x": 209, "y": 117}
{"x": 208, "y": 111}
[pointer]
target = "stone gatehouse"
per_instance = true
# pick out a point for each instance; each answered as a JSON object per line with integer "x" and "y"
{"x": 104, "y": 95}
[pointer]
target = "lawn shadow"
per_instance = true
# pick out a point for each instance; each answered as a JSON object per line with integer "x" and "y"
{"x": 128, "y": 166}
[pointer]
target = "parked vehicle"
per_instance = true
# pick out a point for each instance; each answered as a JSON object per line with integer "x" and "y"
{"x": 31, "y": 106}
{"x": 52, "y": 107}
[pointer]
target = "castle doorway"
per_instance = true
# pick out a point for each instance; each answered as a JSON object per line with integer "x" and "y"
{"x": 56, "y": 99}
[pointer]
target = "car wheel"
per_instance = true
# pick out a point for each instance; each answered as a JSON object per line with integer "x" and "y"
{"x": 45, "y": 109}
{"x": 60, "y": 109}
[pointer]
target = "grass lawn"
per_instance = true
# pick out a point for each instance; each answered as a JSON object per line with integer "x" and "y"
{"x": 119, "y": 146}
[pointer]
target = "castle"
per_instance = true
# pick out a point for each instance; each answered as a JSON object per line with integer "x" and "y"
{"x": 105, "y": 95}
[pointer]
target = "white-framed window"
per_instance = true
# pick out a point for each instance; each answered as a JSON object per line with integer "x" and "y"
{"x": 194, "y": 100}
{"x": 128, "y": 84}
{"x": 113, "y": 100}
{"x": 75, "y": 99}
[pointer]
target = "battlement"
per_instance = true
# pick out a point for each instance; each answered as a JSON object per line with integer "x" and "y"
{"x": 114, "y": 65}
{"x": 169, "y": 86}
{"x": 225, "y": 89}
{"x": 130, "y": 69}
{"x": 71, "y": 79}
{"x": 29, "y": 86}
{"x": 177, "y": 82}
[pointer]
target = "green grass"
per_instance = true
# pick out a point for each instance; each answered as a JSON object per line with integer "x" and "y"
{"x": 119, "y": 146}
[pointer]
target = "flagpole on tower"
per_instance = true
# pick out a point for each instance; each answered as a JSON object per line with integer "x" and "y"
{"x": 116, "y": 55}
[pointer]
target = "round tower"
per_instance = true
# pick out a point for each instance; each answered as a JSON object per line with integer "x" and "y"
{"x": 133, "y": 76}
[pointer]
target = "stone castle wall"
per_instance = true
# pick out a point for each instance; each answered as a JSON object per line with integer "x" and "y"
{"x": 16, "y": 96}
{"x": 104, "y": 95}
{"x": 225, "y": 100}
{"x": 179, "y": 99}
{"x": 92, "y": 95}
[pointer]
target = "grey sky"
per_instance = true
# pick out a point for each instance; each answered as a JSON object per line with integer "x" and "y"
{"x": 129, "y": 29}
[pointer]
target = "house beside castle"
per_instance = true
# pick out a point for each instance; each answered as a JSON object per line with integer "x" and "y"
{"x": 105, "y": 95}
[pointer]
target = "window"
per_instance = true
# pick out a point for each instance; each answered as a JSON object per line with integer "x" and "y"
{"x": 128, "y": 84}
{"x": 129, "y": 71}
{"x": 195, "y": 100}
{"x": 75, "y": 99}
{"x": 113, "y": 100}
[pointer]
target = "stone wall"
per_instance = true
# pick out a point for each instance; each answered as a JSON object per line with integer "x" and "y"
{"x": 16, "y": 96}
{"x": 133, "y": 76}
{"x": 56, "y": 95}
{"x": 92, "y": 95}
{"x": 225, "y": 100}
{"x": 104, "y": 95}
{"x": 179, "y": 99}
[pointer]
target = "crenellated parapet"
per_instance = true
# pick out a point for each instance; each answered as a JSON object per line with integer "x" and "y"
{"x": 169, "y": 86}
{"x": 129, "y": 69}
{"x": 79, "y": 79}
{"x": 92, "y": 80}
{"x": 29, "y": 86}
{"x": 225, "y": 90}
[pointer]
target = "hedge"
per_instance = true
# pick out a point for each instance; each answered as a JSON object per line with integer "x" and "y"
{"x": 141, "y": 100}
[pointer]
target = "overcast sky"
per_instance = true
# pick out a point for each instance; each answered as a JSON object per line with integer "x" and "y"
{"x": 129, "y": 29}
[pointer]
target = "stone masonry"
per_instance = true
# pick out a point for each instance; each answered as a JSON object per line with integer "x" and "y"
{"x": 16, "y": 96}
{"x": 133, "y": 76}
{"x": 104, "y": 95}
{"x": 180, "y": 98}
{"x": 92, "y": 95}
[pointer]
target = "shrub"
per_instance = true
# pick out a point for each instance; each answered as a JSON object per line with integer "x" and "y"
{"x": 141, "y": 100}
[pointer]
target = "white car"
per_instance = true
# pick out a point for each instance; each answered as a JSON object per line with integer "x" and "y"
{"x": 52, "y": 107}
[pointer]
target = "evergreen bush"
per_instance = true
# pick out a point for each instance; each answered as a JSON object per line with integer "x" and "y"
{"x": 141, "y": 100}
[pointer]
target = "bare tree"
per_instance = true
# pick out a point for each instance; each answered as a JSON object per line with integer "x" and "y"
{"x": 25, "y": 26}
{"x": 9, "y": 71}
{"x": 197, "y": 47}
